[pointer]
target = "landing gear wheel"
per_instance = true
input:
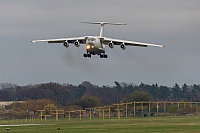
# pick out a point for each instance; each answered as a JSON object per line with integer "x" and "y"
{"x": 103, "y": 56}
{"x": 87, "y": 55}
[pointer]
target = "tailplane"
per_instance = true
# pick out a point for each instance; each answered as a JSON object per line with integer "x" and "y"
{"x": 102, "y": 25}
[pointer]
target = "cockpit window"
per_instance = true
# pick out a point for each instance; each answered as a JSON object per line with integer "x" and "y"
{"x": 91, "y": 39}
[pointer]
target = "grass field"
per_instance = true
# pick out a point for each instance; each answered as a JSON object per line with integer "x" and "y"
{"x": 178, "y": 124}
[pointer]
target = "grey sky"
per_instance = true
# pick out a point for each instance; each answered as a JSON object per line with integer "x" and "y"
{"x": 173, "y": 23}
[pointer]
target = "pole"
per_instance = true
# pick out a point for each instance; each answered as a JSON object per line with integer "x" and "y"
{"x": 149, "y": 108}
{"x": 69, "y": 115}
{"x": 178, "y": 105}
{"x": 41, "y": 114}
{"x": 142, "y": 108}
{"x": 90, "y": 112}
{"x": 164, "y": 106}
{"x": 184, "y": 105}
{"x": 157, "y": 107}
{"x": 196, "y": 107}
{"x": 109, "y": 112}
{"x": 80, "y": 113}
{"x": 103, "y": 113}
{"x": 126, "y": 110}
{"x": 57, "y": 112}
{"x": 134, "y": 108}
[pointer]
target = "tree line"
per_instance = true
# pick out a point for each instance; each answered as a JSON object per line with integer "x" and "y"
{"x": 68, "y": 94}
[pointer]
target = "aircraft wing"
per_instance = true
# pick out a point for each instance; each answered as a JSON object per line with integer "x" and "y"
{"x": 81, "y": 40}
{"x": 129, "y": 43}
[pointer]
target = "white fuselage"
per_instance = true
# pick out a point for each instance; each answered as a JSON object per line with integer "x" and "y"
{"x": 94, "y": 45}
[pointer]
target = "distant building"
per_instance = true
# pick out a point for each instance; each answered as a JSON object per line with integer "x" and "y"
{"x": 3, "y": 104}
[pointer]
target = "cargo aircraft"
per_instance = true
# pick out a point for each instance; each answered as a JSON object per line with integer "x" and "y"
{"x": 95, "y": 45}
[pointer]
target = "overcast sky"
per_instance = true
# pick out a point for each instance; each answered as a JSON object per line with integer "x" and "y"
{"x": 173, "y": 23}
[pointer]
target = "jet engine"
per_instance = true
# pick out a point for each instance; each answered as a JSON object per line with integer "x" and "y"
{"x": 66, "y": 44}
{"x": 111, "y": 45}
{"x": 122, "y": 46}
{"x": 76, "y": 43}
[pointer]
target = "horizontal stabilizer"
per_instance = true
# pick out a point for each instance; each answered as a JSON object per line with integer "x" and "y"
{"x": 103, "y": 23}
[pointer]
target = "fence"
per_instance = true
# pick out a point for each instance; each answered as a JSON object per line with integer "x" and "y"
{"x": 129, "y": 109}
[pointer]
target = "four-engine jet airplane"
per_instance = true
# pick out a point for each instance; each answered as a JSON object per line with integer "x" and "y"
{"x": 95, "y": 45}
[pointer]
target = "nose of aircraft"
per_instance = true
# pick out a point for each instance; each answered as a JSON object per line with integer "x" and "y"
{"x": 89, "y": 46}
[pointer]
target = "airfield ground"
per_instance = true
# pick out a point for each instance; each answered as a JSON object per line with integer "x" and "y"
{"x": 175, "y": 124}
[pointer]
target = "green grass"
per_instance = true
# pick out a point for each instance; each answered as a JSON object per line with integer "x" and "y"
{"x": 179, "y": 124}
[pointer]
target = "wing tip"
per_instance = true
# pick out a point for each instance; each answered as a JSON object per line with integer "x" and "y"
{"x": 35, "y": 41}
{"x": 156, "y": 45}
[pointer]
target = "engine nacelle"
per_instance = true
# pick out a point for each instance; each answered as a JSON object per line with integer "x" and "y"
{"x": 76, "y": 43}
{"x": 66, "y": 44}
{"x": 111, "y": 45}
{"x": 122, "y": 46}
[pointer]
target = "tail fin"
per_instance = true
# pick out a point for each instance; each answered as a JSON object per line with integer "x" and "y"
{"x": 102, "y": 25}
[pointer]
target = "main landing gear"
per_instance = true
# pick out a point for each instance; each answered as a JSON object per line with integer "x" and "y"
{"x": 87, "y": 55}
{"x": 103, "y": 56}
